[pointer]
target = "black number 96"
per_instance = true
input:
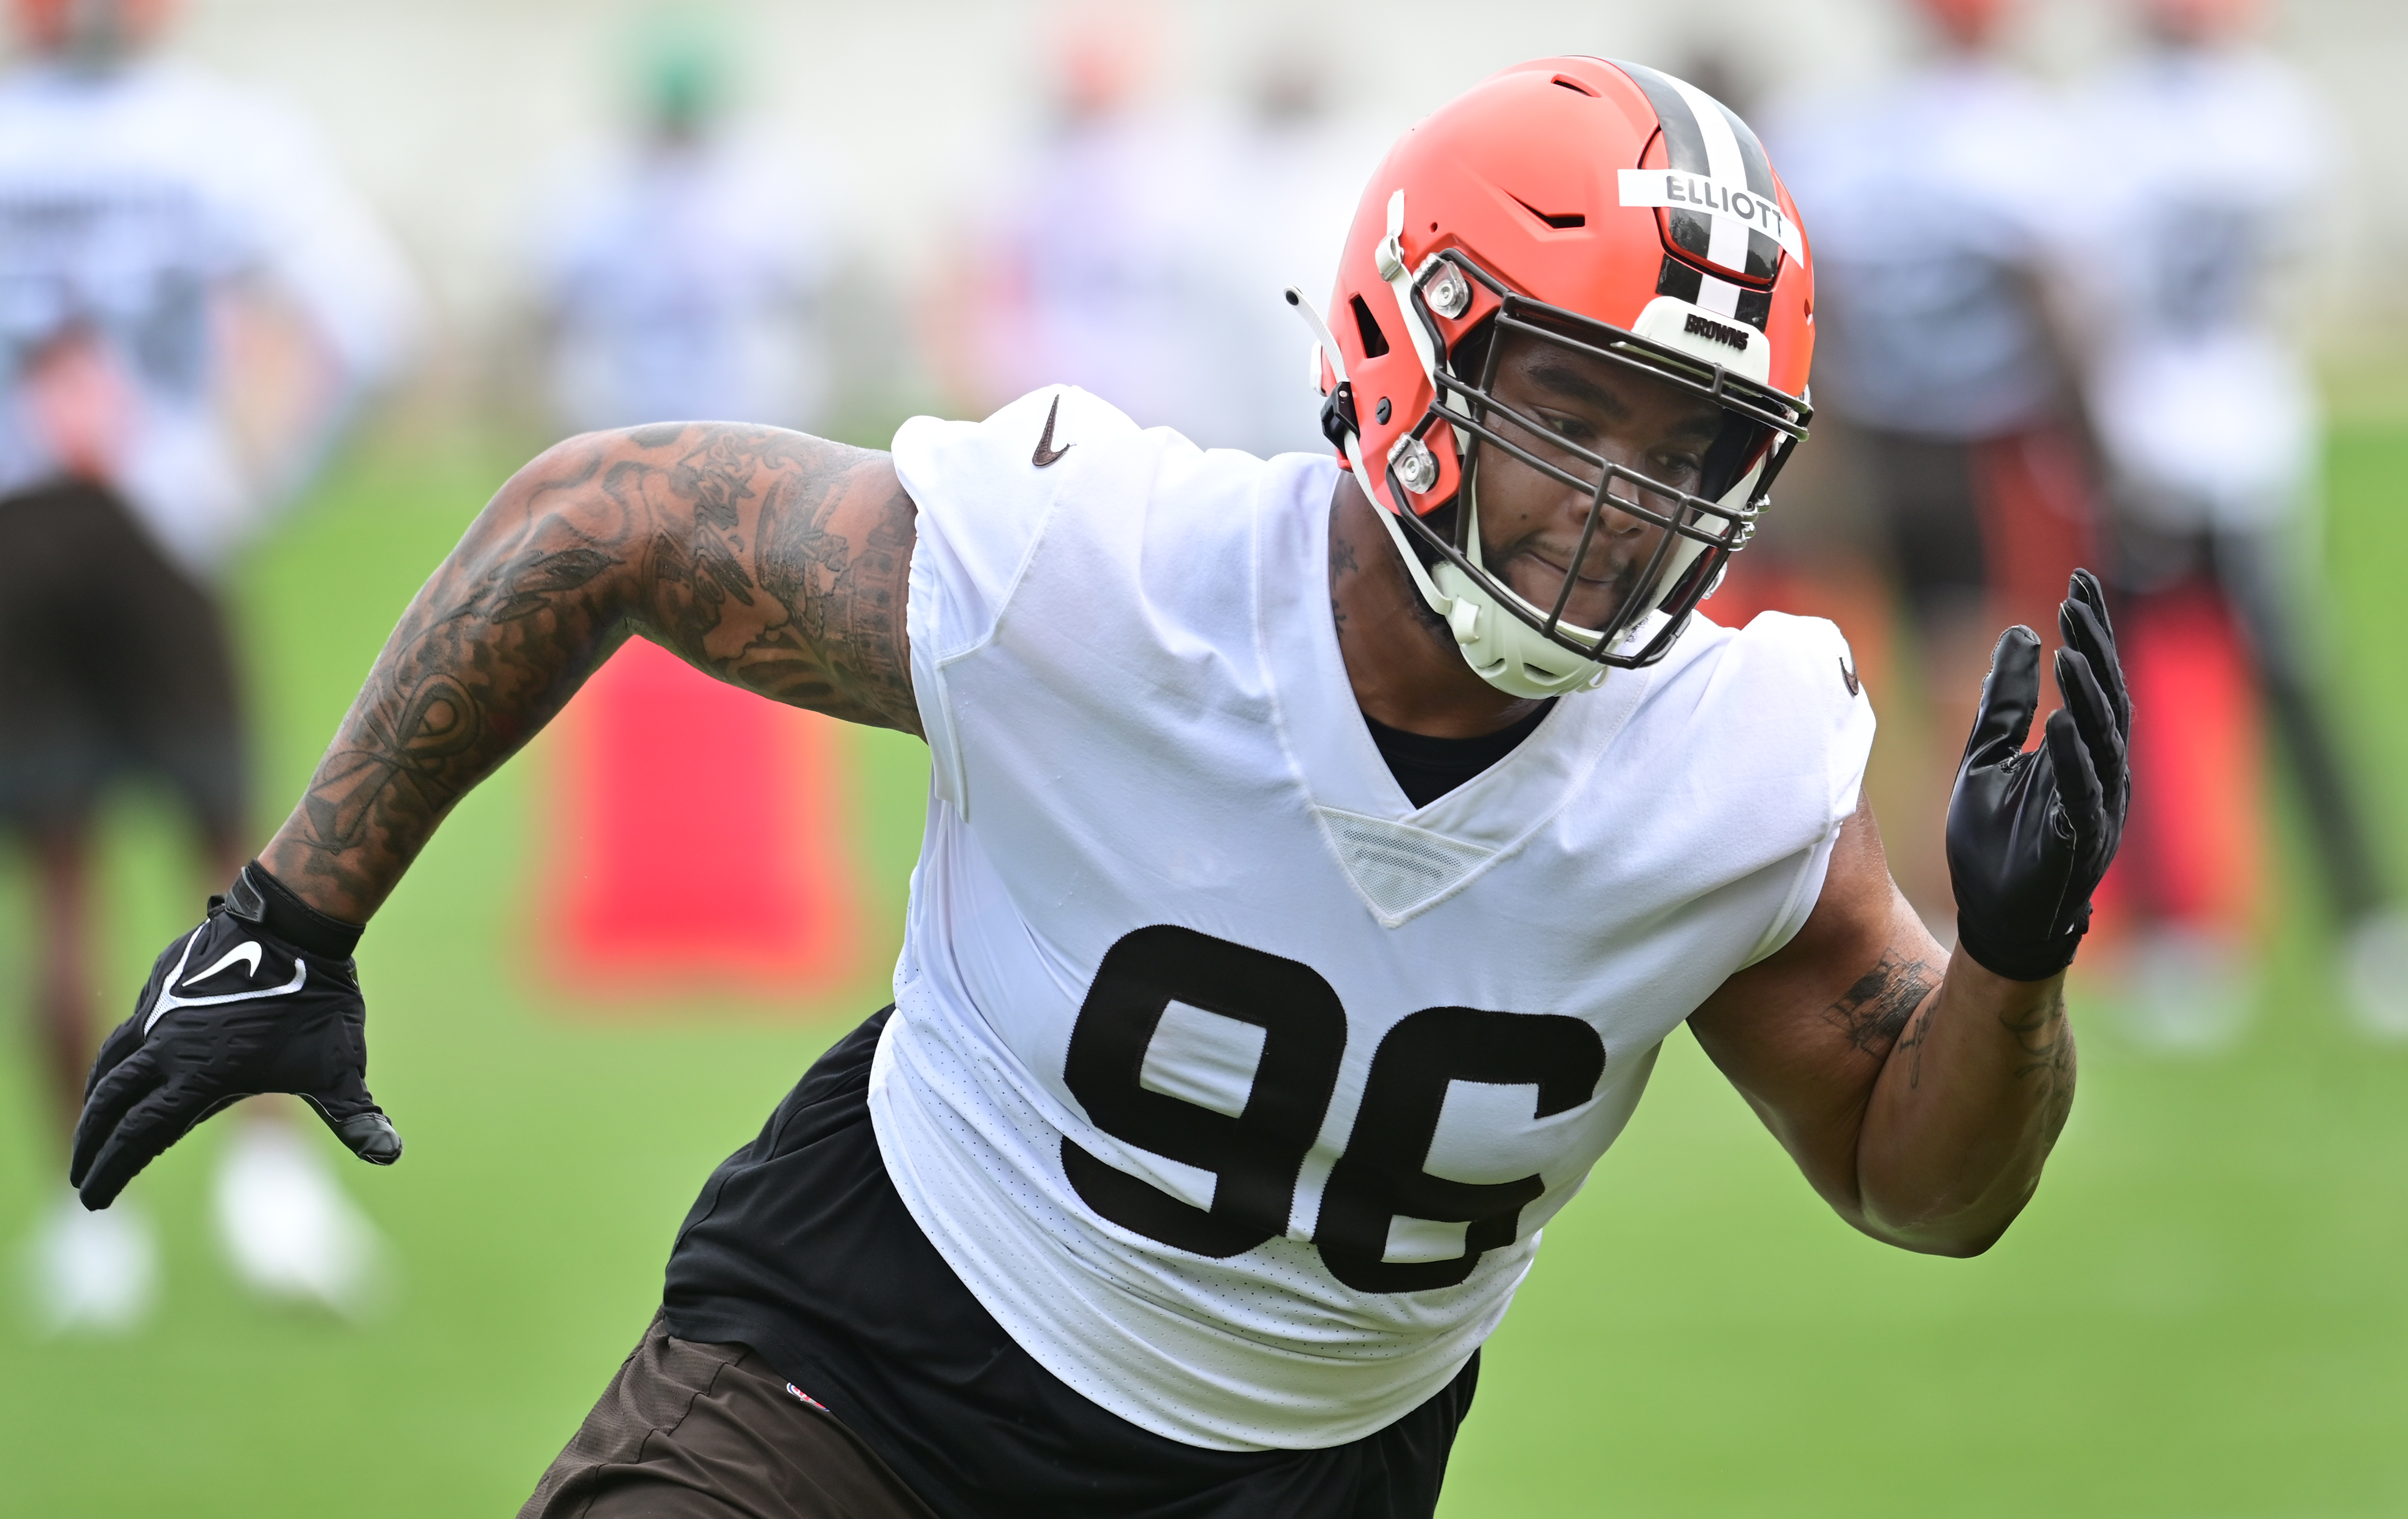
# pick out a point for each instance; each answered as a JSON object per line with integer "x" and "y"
{"x": 1254, "y": 1140}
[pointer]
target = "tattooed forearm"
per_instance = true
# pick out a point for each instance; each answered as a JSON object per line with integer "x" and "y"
{"x": 438, "y": 721}
{"x": 1873, "y": 1010}
{"x": 2045, "y": 1040}
{"x": 774, "y": 561}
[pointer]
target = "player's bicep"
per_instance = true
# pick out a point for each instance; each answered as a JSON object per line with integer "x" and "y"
{"x": 778, "y": 561}
{"x": 1803, "y": 1034}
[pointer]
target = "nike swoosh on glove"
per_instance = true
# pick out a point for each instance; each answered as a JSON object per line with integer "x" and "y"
{"x": 2030, "y": 834}
{"x": 261, "y": 997}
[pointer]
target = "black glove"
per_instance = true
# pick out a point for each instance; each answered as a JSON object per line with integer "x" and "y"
{"x": 2030, "y": 834}
{"x": 261, "y": 997}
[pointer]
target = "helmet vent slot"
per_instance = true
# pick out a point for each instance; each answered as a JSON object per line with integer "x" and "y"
{"x": 1557, "y": 220}
{"x": 1375, "y": 342}
{"x": 1574, "y": 85}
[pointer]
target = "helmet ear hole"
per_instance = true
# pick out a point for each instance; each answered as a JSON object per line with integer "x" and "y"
{"x": 1367, "y": 326}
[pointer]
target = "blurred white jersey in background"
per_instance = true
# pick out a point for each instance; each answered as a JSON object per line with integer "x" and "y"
{"x": 1140, "y": 253}
{"x": 1291, "y": 174}
{"x": 157, "y": 228}
{"x": 1928, "y": 201}
{"x": 683, "y": 280}
{"x": 2205, "y": 194}
{"x": 1096, "y": 268}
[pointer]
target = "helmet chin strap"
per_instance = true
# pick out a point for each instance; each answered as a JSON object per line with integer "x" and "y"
{"x": 1457, "y": 613}
{"x": 1390, "y": 258}
{"x": 1439, "y": 602}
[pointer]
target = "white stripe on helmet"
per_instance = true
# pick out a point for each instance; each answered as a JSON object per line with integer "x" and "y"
{"x": 1724, "y": 161}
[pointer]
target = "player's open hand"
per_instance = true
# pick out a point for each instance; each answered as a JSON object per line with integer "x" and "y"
{"x": 2030, "y": 834}
{"x": 261, "y": 997}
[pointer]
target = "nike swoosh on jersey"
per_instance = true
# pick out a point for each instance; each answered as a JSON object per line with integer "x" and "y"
{"x": 169, "y": 1001}
{"x": 248, "y": 951}
{"x": 1046, "y": 452}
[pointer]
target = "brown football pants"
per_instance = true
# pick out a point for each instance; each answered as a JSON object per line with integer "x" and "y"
{"x": 691, "y": 1432}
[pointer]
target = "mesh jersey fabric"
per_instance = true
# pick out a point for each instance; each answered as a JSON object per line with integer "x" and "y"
{"x": 1167, "y": 1079}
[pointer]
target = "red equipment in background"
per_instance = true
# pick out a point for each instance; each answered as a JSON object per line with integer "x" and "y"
{"x": 2194, "y": 854}
{"x": 700, "y": 842}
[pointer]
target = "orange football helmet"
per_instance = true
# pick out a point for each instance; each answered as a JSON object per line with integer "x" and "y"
{"x": 1615, "y": 211}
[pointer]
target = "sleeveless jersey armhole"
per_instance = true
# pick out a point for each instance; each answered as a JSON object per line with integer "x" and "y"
{"x": 924, "y": 629}
{"x": 1818, "y": 654}
{"x": 1803, "y": 894}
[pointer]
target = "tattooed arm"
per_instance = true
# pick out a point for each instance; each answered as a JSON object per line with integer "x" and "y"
{"x": 771, "y": 560}
{"x": 1919, "y": 1094}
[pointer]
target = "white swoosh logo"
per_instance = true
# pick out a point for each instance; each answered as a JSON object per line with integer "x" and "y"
{"x": 248, "y": 951}
{"x": 169, "y": 1001}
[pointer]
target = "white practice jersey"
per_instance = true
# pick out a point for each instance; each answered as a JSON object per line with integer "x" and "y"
{"x": 684, "y": 282}
{"x": 2214, "y": 192}
{"x": 1931, "y": 202}
{"x": 130, "y": 201}
{"x": 1235, "y": 1086}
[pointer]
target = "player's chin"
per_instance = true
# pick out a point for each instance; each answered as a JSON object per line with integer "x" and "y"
{"x": 1595, "y": 599}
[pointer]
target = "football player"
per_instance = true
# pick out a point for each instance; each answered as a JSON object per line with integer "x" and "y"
{"x": 2207, "y": 415}
{"x": 1938, "y": 206}
{"x": 195, "y": 301}
{"x": 1317, "y": 855}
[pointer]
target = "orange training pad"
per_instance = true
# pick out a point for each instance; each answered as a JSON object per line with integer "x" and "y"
{"x": 698, "y": 841}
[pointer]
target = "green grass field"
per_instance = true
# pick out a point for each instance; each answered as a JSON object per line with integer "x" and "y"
{"x": 2205, "y": 1312}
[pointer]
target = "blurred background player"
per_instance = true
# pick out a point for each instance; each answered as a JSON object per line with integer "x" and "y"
{"x": 682, "y": 266}
{"x": 1085, "y": 264}
{"x": 189, "y": 303}
{"x": 1093, "y": 259}
{"x": 682, "y": 269}
{"x": 1939, "y": 380}
{"x": 1101, "y": 257}
{"x": 2205, "y": 410}
{"x": 1289, "y": 165}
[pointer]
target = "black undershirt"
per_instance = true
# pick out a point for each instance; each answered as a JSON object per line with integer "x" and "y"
{"x": 1428, "y": 768}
